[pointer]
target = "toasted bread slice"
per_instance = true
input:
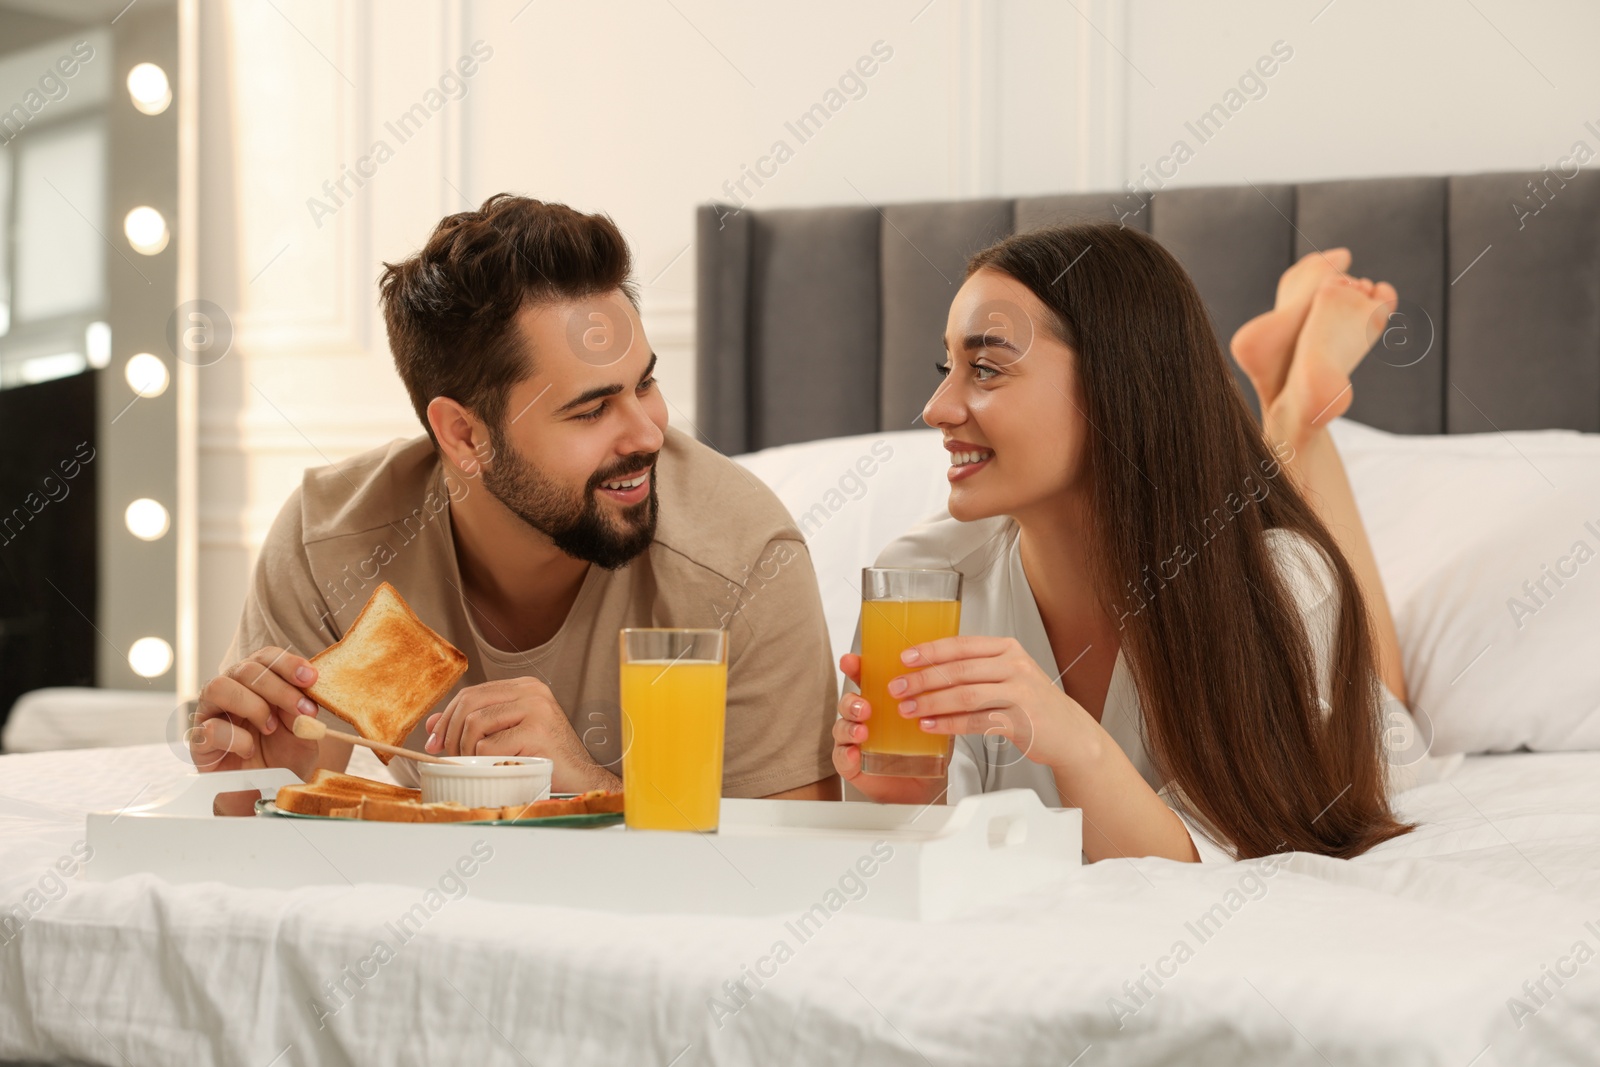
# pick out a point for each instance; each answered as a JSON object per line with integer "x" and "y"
{"x": 543, "y": 809}
{"x": 300, "y": 800}
{"x": 328, "y": 781}
{"x": 328, "y": 790}
{"x": 387, "y": 671}
{"x": 446, "y": 811}
{"x": 601, "y": 802}
{"x": 382, "y": 809}
{"x": 353, "y": 812}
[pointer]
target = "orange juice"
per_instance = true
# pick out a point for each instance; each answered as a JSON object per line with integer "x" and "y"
{"x": 672, "y": 724}
{"x": 888, "y": 628}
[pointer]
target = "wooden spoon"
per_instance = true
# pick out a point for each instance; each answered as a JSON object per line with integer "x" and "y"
{"x": 310, "y": 728}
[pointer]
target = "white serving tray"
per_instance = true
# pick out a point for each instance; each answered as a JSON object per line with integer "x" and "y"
{"x": 769, "y": 857}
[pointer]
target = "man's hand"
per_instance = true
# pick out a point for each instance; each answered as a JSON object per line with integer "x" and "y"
{"x": 245, "y": 715}
{"x": 517, "y": 717}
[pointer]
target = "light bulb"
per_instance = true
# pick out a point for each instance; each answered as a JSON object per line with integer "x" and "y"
{"x": 150, "y": 657}
{"x": 147, "y": 85}
{"x": 147, "y": 519}
{"x": 147, "y": 375}
{"x": 146, "y": 230}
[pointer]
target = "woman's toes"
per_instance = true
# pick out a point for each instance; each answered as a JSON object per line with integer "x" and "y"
{"x": 1342, "y": 287}
{"x": 1345, "y": 320}
{"x": 1264, "y": 346}
{"x": 1347, "y": 316}
{"x": 1299, "y": 283}
{"x": 1322, "y": 261}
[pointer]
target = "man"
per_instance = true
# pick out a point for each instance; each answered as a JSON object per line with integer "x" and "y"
{"x": 548, "y": 506}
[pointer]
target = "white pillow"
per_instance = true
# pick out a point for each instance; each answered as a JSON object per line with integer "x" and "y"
{"x": 851, "y": 497}
{"x": 1467, "y": 528}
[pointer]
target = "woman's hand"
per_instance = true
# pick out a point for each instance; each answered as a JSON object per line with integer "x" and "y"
{"x": 848, "y": 733}
{"x": 991, "y": 686}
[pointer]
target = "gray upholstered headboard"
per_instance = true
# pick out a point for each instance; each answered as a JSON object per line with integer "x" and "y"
{"x": 823, "y": 322}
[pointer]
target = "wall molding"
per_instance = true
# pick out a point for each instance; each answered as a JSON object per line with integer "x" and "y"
{"x": 1102, "y": 97}
{"x": 669, "y": 318}
{"x": 975, "y": 133}
{"x": 342, "y": 325}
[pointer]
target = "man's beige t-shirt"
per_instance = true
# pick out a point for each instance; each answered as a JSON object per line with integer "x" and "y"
{"x": 726, "y": 555}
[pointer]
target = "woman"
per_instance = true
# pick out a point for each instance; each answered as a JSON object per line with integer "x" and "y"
{"x": 1183, "y": 648}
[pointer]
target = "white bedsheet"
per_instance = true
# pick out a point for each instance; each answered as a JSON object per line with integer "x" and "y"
{"x": 1410, "y": 955}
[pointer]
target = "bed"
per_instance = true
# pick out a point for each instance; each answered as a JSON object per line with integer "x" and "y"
{"x": 1471, "y": 941}
{"x": 1422, "y": 952}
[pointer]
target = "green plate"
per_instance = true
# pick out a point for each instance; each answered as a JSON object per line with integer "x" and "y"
{"x": 608, "y": 818}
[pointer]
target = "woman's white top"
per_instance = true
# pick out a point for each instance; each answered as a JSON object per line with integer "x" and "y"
{"x": 996, "y": 600}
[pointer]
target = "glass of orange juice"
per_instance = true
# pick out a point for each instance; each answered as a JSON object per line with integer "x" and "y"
{"x": 674, "y": 698}
{"x": 901, "y": 608}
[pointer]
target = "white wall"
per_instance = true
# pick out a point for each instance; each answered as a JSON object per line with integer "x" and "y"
{"x": 1421, "y": 87}
{"x": 645, "y": 109}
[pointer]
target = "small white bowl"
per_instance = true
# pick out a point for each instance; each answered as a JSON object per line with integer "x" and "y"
{"x": 477, "y": 782}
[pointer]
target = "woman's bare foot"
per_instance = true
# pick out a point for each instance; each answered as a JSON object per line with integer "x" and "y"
{"x": 1264, "y": 346}
{"x": 1347, "y": 315}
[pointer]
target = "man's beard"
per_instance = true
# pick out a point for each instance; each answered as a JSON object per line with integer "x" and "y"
{"x": 575, "y": 523}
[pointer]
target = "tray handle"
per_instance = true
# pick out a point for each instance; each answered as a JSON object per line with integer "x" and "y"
{"x": 1005, "y": 819}
{"x": 194, "y": 795}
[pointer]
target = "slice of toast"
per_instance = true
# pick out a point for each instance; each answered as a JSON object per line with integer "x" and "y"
{"x": 411, "y": 809}
{"x": 329, "y": 781}
{"x": 446, "y": 811}
{"x": 543, "y": 809}
{"x": 387, "y": 671}
{"x": 301, "y": 800}
{"x": 601, "y": 802}
{"x": 383, "y": 809}
{"x": 328, "y": 790}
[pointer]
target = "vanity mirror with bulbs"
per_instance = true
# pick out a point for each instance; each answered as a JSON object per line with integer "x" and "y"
{"x": 93, "y": 522}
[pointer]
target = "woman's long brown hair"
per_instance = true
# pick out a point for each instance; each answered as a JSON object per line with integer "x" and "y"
{"x": 1176, "y": 466}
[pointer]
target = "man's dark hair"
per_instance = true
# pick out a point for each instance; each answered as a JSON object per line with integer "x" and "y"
{"x": 450, "y": 308}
